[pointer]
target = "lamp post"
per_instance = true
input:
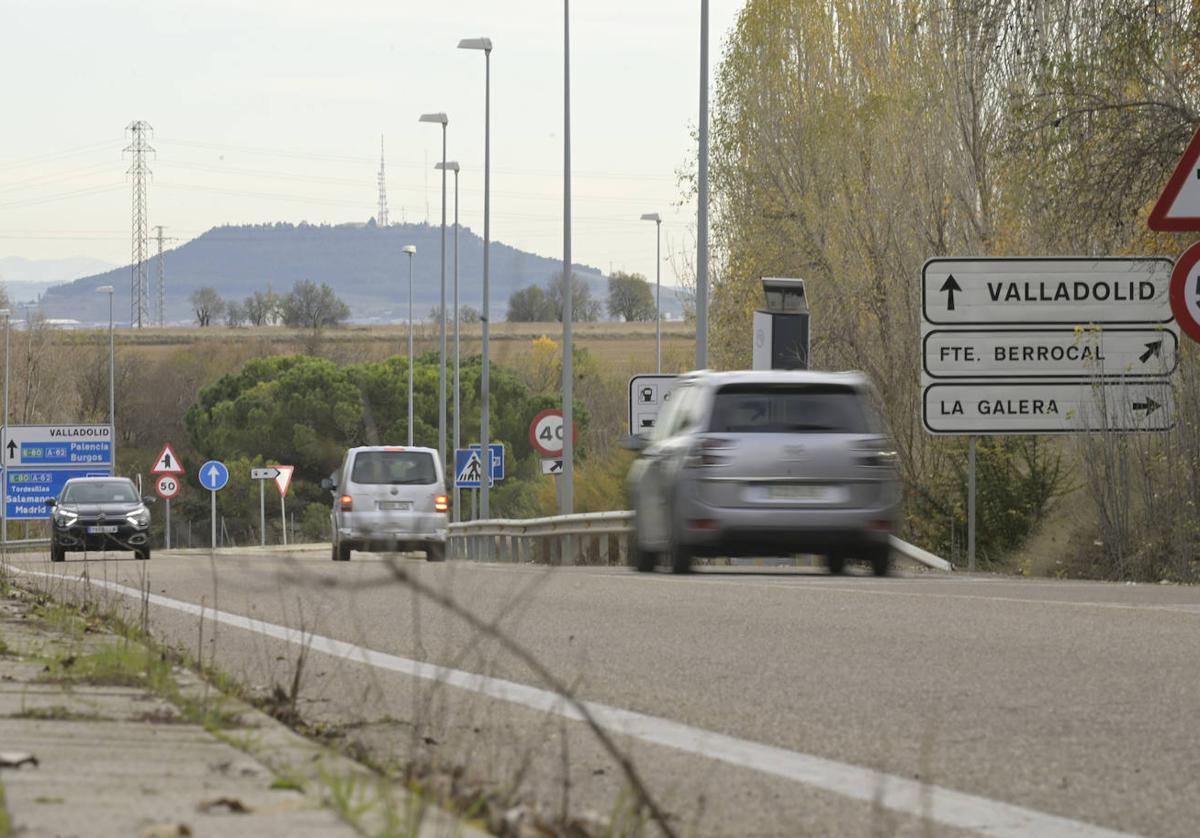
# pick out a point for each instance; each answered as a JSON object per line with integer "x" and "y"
{"x": 452, "y": 166}
{"x": 567, "y": 489}
{"x": 112, "y": 366}
{"x": 411, "y": 251}
{"x": 657, "y": 219}
{"x": 4, "y": 509}
{"x": 485, "y": 45}
{"x": 441, "y": 119}
{"x": 702, "y": 202}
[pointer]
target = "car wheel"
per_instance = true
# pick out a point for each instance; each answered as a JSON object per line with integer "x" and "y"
{"x": 57, "y": 554}
{"x": 142, "y": 555}
{"x": 435, "y": 553}
{"x": 836, "y": 562}
{"x": 881, "y": 560}
{"x": 341, "y": 551}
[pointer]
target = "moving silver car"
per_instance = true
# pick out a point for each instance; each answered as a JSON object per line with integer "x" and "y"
{"x": 389, "y": 498}
{"x": 763, "y": 464}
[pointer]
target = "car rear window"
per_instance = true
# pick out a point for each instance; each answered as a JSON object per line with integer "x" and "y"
{"x": 393, "y": 467}
{"x": 791, "y": 408}
{"x": 118, "y": 491}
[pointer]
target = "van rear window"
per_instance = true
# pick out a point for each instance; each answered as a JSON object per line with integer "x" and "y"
{"x": 393, "y": 467}
{"x": 791, "y": 408}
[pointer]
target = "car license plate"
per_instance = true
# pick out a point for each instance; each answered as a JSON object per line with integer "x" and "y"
{"x": 801, "y": 491}
{"x": 105, "y": 530}
{"x": 395, "y": 504}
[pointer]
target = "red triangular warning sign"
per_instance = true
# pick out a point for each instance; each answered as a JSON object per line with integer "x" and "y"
{"x": 284, "y": 478}
{"x": 167, "y": 462}
{"x": 1178, "y": 208}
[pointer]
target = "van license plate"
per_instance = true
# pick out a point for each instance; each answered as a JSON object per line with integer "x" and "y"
{"x": 395, "y": 504}
{"x": 107, "y": 530}
{"x": 800, "y": 491}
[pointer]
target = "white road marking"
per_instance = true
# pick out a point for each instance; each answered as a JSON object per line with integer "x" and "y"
{"x": 900, "y": 794}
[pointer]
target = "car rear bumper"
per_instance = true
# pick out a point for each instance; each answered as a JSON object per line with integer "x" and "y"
{"x": 386, "y": 531}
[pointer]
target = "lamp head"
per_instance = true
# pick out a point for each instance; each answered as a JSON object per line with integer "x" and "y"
{"x": 484, "y": 44}
{"x": 410, "y": 249}
{"x": 449, "y": 166}
{"x": 439, "y": 118}
{"x": 651, "y": 216}
{"x": 104, "y": 289}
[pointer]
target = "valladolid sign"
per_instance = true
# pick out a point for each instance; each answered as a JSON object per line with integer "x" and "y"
{"x": 1042, "y": 346}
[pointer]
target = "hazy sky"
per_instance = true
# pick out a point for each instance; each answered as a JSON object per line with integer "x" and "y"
{"x": 272, "y": 110}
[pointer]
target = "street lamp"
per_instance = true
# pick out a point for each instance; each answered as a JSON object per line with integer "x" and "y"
{"x": 112, "y": 366}
{"x": 441, "y": 119}
{"x": 411, "y": 251}
{"x": 702, "y": 202}
{"x": 657, "y": 219}
{"x": 567, "y": 489}
{"x": 4, "y": 509}
{"x": 452, "y": 166}
{"x": 485, "y": 44}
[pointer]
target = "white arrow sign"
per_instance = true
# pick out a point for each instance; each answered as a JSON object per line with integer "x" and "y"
{"x": 552, "y": 466}
{"x": 269, "y": 473}
{"x": 1051, "y": 353}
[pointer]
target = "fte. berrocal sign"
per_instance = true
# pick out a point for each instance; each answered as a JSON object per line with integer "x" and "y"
{"x": 1081, "y": 353}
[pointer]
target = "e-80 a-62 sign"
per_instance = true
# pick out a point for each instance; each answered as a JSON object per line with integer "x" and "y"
{"x": 1037, "y": 346}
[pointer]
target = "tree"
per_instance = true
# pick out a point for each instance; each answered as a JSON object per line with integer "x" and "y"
{"x": 630, "y": 297}
{"x": 235, "y": 314}
{"x": 262, "y": 308}
{"x": 530, "y": 305}
{"x": 312, "y": 306}
{"x": 584, "y": 309}
{"x": 207, "y": 304}
{"x": 468, "y": 314}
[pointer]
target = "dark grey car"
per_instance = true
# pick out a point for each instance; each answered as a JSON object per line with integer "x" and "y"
{"x": 765, "y": 464}
{"x": 99, "y": 513}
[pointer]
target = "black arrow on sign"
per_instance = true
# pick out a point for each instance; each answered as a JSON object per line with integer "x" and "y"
{"x": 1152, "y": 349}
{"x": 950, "y": 286}
{"x": 1149, "y": 405}
{"x": 12, "y": 449}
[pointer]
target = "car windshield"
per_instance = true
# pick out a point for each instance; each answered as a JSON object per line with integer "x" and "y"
{"x": 106, "y": 491}
{"x": 791, "y": 408}
{"x": 393, "y": 467}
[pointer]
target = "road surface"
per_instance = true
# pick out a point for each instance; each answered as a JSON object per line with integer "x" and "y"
{"x": 752, "y": 701}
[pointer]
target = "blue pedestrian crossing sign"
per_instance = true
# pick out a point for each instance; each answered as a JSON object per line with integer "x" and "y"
{"x": 497, "y": 458}
{"x": 214, "y": 475}
{"x": 468, "y": 468}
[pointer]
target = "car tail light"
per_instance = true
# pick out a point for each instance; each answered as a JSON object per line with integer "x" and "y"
{"x": 706, "y": 451}
{"x": 701, "y": 524}
{"x": 441, "y": 503}
{"x": 879, "y": 455}
{"x": 880, "y": 525}
{"x": 347, "y": 503}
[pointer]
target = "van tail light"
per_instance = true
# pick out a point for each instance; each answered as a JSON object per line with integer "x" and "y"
{"x": 347, "y": 503}
{"x": 441, "y": 503}
{"x": 707, "y": 451}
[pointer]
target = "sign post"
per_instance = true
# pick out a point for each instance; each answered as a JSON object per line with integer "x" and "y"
{"x": 283, "y": 479}
{"x": 1045, "y": 346}
{"x": 168, "y": 466}
{"x": 213, "y": 476}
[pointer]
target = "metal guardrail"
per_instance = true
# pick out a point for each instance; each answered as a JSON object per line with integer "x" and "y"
{"x": 584, "y": 538}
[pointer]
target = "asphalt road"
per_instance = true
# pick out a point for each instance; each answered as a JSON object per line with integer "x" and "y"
{"x": 763, "y": 702}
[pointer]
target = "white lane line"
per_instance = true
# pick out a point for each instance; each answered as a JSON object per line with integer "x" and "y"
{"x": 900, "y": 794}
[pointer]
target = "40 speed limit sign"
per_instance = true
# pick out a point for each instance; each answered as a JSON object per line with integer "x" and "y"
{"x": 167, "y": 486}
{"x": 546, "y": 432}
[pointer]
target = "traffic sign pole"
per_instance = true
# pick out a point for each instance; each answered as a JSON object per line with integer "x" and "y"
{"x": 283, "y": 517}
{"x": 971, "y": 504}
{"x": 213, "y": 518}
{"x": 262, "y": 513}
{"x": 167, "y": 539}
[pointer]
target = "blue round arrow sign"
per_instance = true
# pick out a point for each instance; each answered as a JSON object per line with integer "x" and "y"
{"x": 214, "y": 475}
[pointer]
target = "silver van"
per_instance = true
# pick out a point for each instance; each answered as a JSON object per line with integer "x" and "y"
{"x": 389, "y": 498}
{"x": 765, "y": 464}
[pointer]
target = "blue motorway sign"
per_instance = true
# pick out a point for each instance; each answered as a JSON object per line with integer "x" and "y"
{"x": 497, "y": 458}
{"x": 213, "y": 475}
{"x": 57, "y": 445}
{"x": 26, "y": 489}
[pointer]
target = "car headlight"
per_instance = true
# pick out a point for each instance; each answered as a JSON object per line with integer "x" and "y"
{"x": 65, "y": 517}
{"x": 139, "y": 518}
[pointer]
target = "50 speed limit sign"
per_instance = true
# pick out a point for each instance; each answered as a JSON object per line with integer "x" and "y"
{"x": 546, "y": 432}
{"x": 167, "y": 486}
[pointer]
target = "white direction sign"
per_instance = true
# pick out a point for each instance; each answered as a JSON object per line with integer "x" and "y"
{"x": 1025, "y": 292}
{"x": 552, "y": 466}
{"x": 1047, "y": 407}
{"x": 58, "y": 445}
{"x": 648, "y": 395}
{"x": 1119, "y": 352}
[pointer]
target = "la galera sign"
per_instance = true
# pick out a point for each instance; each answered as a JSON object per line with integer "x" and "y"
{"x": 1042, "y": 346}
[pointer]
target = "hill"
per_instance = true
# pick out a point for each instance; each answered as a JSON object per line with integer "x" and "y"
{"x": 363, "y": 263}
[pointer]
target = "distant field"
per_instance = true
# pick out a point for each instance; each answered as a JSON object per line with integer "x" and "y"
{"x": 622, "y": 347}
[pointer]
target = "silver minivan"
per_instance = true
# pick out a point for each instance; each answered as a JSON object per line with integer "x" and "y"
{"x": 389, "y": 498}
{"x": 765, "y": 464}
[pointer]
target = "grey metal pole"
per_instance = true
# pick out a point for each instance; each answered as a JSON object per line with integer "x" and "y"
{"x": 167, "y": 539}
{"x": 971, "y": 504}
{"x": 566, "y": 494}
{"x": 485, "y": 376}
{"x": 4, "y": 508}
{"x": 702, "y": 202}
{"x": 457, "y": 391}
{"x": 213, "y": 518}
{"x": 262, "y": 513}
{"x": 658, "y": 296}
{"x": 442, "y": 318}
{"x": 284, "y": 521}
{"x": 410, "y": 350}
